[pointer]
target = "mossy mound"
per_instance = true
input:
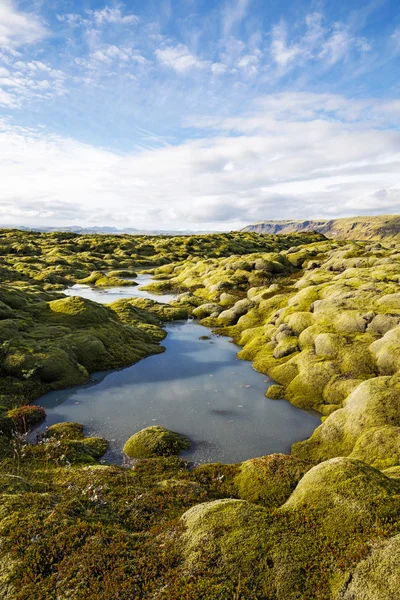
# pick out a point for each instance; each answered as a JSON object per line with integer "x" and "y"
{"x": 66, "y": 430}
{"x": 373, "y": 403}
{"x": 275, "y": 392}
{"x": 99, "y": 279}
{"x": 56, "y": 343}
{"x": 165, "y": 312}
{"x": 347, "y": 492}
{"x": 65, "y": 443}
{"x": 26, "y": 417}
{"x": 122, "y": 273}
{"x": 207, "y": 310}
{"x": 79, "y": 311}
{"x": 377, "y": 577}
{"x": 379, "y": 447}
{"x": 269, "y": 480}
{"x": 155, "y": 441}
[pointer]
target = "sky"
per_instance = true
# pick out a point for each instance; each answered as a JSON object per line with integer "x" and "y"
{"x": 197, "y": 114}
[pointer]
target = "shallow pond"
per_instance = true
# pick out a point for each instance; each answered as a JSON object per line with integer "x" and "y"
{"x": 197, "y": 387}
{"x": 107, "y": 295}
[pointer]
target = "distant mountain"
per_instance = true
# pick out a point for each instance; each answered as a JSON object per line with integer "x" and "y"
{"x": 104, "y": 230}
{"x": 352, "y": 228}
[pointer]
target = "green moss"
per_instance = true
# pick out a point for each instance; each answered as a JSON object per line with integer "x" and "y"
{"x": 347, "y": 492}
{"x": 269, "y": 480}
{"x": 300, "y": 321}
{"x": 78, "y": 311}
{"x": 122, "y": 273}
{"x": 99, "y": 279}
{"x": 165, "y": 312}
{"x": 306, "y": 389}
{"x": 373, "y": 403}
{"x": 206, "y": 310}
{"x": 65, "y": 443}
{"x": 155, "y": 441}
{"x": 26, "y": 417}
{"x": 379, "y": 447}
{"x": 66, "y": 430}
{"x": 378, "y": 576}
{"x": 275, "y": 392}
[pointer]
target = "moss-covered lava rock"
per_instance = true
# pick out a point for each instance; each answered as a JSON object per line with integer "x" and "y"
{"x": 155, "y": 441}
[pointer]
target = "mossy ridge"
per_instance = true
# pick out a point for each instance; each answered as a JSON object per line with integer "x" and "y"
{"x": 305, "y": 549}
{"x": 323, "y": 318}
{"x": 54, "y": 261}
{"x": 56, "y": 342}
{"x": 269, "y": 480}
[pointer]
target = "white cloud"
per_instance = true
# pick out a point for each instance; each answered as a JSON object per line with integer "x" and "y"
{"x": 108, "y": 15}
{"x": 282, "y": 53}
{"x": 114, "y": 15}
{"x": 218, "y": 68}
{"x": 338, "y": 45}
{"x": 180, "y": 59}
{"x": 314, "y": 164}
{"x": 18, "y": 28}
{"x": 109, "y": 53}
{"x": 327, "y": 44}
{"x": 250, "y": 63}
{"x": 233, "y": 13}
{"x": 25, "y": 81}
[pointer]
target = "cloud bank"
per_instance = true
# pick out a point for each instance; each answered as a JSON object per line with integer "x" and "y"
{"x": 295, "y": 155}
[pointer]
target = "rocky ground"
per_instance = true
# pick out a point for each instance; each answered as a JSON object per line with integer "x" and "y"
{"x": 321, "y": 317}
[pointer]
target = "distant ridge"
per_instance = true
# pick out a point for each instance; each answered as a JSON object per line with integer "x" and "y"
{"x": 104, "y": 230}
{"x": 352, "y": 228}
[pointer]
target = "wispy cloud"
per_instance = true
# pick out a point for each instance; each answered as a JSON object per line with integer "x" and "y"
{"x": 180, "y": 59}
{"x": 23, "y": 81}
{"x": 233, "y": 13}
{"x": 340, "y": 43}
{"x": 328, "y": 44}
{"x": 113, "y": 15}
{"x": 281, "y": 51}
{"x": 17, "y": 27}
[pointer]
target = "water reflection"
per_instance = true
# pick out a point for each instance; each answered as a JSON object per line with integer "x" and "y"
{"x": 107, "y": 295}
{"x": 196, "y": 388}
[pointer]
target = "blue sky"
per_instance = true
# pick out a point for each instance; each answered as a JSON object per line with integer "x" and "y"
{"x": 197, "y": 114}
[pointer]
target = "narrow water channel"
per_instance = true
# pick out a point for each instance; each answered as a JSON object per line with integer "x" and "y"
{"x": 197, "y": 387}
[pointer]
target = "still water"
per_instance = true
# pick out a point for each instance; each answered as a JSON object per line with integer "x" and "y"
{"x": 197, "y": 387}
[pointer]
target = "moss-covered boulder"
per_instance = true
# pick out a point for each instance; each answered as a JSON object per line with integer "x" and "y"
{"x": 275, "y": 392}
{"x": 377, "y": 577}
{"x": 155, "y": 441}
{"x": 269, "y": 480}
{"x": 66, "y": 430}
{"x": 379, "y": 447}
{"x": 207, "y": 310}
{"x": 347, "y": 492}
{"x": 373, "y": 403}
{"x": 99, "y": 279}
{"x": 78, "y": 311}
